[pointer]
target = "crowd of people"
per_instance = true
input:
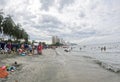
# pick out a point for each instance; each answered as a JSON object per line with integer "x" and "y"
{"x": 31, "y": 49}
{"x": 21, "y": 49}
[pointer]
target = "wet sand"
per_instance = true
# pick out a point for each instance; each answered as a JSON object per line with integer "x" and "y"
{"x": 55, "y": 67}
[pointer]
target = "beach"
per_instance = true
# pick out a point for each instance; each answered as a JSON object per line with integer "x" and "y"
{"x": 58, "y": 66}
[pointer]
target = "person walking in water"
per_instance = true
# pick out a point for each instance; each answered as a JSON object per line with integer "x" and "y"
{"x": 104, "y": 48}
{"x": 39, "y": 48}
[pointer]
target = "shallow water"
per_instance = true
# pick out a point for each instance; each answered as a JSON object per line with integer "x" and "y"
{"x": 109, "y": 59}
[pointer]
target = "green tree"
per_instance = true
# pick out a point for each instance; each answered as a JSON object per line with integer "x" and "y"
{"x": 17, "y": 32}
{"x": 11, "y": 29}
{"x": 1, "y": 19}
{"x": 8, "y": 26}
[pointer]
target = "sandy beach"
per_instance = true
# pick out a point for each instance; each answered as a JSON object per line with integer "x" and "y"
{"x": 55, "y": 67}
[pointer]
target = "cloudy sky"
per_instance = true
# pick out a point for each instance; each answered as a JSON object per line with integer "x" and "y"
{"x": 81, "y": 21}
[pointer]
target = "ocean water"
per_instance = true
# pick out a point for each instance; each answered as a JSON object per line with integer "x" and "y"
{"x": 108, "y": 59}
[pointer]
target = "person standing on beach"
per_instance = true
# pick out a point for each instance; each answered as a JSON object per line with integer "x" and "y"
{"x": 39, "y": 48}
{"x": 9, "y": 46}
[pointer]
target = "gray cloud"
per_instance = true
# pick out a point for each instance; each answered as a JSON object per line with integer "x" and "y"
{"x": 3, "y": 2}
{"x": 50, "y": 24}
{"x": 46, "y": 4}
{"x": 82, "y": 34}
{"x": 64, "y": 3}
{"x": 50, "y": 20}
{"x": 82, "y": 14}
{"x": 81, "y": 19}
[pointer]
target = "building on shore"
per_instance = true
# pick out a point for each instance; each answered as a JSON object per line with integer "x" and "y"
{"x": 55, "y": 39}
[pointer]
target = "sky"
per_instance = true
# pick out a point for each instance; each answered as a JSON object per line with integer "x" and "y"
{"x": 76, "y": 21}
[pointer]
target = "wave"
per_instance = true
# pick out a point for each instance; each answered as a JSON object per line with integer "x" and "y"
{"x": 108, "y": 66}
{"x": 107, "y": 60}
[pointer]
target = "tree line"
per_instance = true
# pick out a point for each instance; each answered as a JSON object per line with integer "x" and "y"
{"x": 11, "y": 29}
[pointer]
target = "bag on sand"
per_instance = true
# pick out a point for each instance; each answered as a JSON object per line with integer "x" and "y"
{"x": 3, "y": 73}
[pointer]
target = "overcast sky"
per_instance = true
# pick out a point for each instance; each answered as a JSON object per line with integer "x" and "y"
{"x": 81, "y": 21}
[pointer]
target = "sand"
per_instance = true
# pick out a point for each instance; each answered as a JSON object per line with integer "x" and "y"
{"x": 54, "y": 67}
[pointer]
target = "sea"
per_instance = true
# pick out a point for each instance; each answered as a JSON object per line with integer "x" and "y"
{"x": 109, "y": 58}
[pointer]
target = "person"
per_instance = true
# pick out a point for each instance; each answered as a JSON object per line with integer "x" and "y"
{"x": 9, "y": 46}
{"x": 80, "y": 48}
{"x": 6, "y": 48}
{"x": 30, "y": 48}
{"x": 22, "y": 46}
{"x": 101, "y": 48}
{"x": 21, "y": 50}
{"x": 104, "y": 48}
{"x": 39, "y": 48}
